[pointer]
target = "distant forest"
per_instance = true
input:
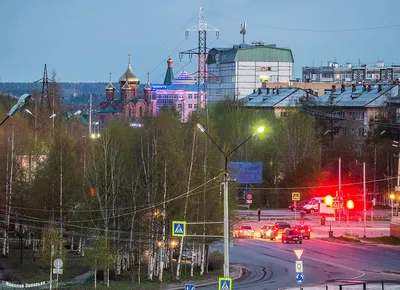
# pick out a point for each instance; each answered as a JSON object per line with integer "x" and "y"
{"x": 73, "y": 93}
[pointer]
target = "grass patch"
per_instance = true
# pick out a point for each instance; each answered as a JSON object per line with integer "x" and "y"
{"x": 387, "y": 240}
{"x": 30, "y": 270}
{"x": 348, "y": 239}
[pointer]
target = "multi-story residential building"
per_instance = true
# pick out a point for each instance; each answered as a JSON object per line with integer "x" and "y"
{"x": 353, "y": 110}
{"x": 334, "y": 72}
{"x": 235, "y": 72}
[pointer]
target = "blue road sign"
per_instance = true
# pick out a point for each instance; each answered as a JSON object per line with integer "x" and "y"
{"x": 178, "y": 229}
{"x": 300, "y": 278}
{"x": 189, "y": 287}
{"x": 225, "y": 284}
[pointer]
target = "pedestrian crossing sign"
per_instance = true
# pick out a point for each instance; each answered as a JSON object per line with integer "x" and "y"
{"x": 225, "y": 284}
{"x": 178, "y": 229}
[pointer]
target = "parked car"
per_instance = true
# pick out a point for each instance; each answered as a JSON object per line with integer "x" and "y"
{"x": 291, "y": 236}
{"x": 244, "y": 232}
{"x": 278, "y": 229}
{"x": 265, "y": 231}
{"x": 299, "y": 206}
{"x": 304, "y": 230}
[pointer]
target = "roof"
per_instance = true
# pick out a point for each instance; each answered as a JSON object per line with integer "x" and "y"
{"x": 250, "y": 53}
{"x": 270, "y": 98}
{"x": 169, "y": 76}
{"x": 360, "y": 97}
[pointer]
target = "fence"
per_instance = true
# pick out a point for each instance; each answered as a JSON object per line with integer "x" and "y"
{"x": 356, "y": 285}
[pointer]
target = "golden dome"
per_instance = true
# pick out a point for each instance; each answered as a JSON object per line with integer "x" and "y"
{"x": 170, "y": 60}
{"x": 130, "y": 76}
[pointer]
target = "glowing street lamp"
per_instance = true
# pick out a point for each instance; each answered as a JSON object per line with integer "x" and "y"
{"x": 392, "y": 198}
{"x": 226, "y": 195}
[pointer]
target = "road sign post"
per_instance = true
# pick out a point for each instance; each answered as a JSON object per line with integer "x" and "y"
{"x": 58, "y": 264}
{"x": 249, "y": 198}
{"x": 225, "y": 284}
{"x": 299, "y": 266}
{"x": 296, "y": 196}
{"x": 178, "y": 229}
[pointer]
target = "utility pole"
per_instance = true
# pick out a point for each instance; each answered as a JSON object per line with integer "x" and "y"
{"x": 90, "y": 115}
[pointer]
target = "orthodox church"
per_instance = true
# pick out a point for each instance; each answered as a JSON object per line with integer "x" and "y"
{"x": 129, "y": 104}
{"x": 180, "y": 92}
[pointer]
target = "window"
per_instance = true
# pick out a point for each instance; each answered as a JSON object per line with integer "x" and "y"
{"x": 195, "y": 96}
{"x": 190, "y": 96}
{"x": 140, "y": 111}
{"x": 190, "y": 106}
{"x": 180, "y": 106}
{"x": 195, "y": 106}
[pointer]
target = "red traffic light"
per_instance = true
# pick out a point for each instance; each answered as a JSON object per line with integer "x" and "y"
{"x": 328, "y": 200}
{"x": 350, "y": 204}
{"x": 92, "y": 191}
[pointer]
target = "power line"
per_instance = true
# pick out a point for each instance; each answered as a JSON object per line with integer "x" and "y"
{"x": 320, "y": 186}
{"x": 310, "y": 30}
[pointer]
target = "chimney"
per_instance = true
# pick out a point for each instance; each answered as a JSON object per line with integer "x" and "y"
{"x": 333, "y": 88}
{"x": 353, "y": 87}
{"x": 273, "y": 91}
{"x": 369, "y": 88}
{"x": 379, "y": 88}
{"x": 277, "y": 91}
{"x": 267, "y": 91}
{"x": 364, "y": 88}
{"x": 342, "y": 89}
{"x": 259, "y": 91}
{"x": 254, "y": 91}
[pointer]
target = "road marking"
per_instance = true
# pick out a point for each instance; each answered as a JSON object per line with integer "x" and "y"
{"x": 359, "y": 275}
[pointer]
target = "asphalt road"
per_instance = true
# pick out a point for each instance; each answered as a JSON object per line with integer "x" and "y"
{"x": 271, "y": 264}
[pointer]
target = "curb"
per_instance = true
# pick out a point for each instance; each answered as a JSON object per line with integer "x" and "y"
{"x": 214, "y": 283}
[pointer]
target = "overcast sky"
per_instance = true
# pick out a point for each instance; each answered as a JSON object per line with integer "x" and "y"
{"x": 84, "y": 40}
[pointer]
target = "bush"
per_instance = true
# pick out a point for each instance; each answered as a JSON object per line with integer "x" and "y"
{"x": 215, "y": 261}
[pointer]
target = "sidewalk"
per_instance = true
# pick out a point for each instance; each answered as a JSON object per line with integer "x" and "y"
{"x": 370, "y": 286}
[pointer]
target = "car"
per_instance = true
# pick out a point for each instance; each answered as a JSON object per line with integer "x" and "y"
{"x": 278, "y": 229}
{"x": 299, "y": 206}
{"x": 265, "y": 231}
{"x": 304, "y": 230}
{"x": 291, "y": 236}
{"x": 244, "y": 232}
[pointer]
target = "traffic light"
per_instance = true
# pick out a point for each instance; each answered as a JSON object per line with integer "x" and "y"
{"x": 92, "y": 191}
{"x": 328, "y": 200}
{"x": 350, "y": 204}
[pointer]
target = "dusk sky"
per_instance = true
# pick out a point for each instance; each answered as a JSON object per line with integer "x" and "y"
{"x": 84, "y": 40}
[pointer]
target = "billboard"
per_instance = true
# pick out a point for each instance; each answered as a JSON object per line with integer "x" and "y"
{"x": 245, "y": 172}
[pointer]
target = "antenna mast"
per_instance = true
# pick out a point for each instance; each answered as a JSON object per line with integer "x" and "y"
{"x": 45, "y": 85}
{"x": 243, "y": 30}
{"x": 201, "y": 52}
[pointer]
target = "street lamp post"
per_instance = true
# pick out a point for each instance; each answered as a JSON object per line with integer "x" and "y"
{"x": 392, "y": 198}
{"x": 226, "y": 193}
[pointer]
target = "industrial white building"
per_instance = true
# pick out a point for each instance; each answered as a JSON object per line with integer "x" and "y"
{"x": 236, "y": 72}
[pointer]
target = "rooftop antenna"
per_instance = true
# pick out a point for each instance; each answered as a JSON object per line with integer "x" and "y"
{"x": 243, "y": 30}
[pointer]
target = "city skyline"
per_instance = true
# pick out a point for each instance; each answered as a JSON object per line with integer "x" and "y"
{"x": 84, "y": 41}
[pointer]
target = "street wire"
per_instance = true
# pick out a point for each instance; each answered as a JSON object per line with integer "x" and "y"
{"x": 307, "y": 30}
